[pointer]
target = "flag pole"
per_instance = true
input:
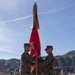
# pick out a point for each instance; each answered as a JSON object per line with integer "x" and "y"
{"x": 36, "y": 55}
{"x": 34, "y": 37}
{"x": 36, "y": 63}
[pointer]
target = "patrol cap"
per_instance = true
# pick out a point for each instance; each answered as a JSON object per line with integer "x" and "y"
{"x": 47, "y": 47}
{"x": 26, "y": 44}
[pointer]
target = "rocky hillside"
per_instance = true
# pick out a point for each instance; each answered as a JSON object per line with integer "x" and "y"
{"x": 66, "y": 62}
{"x": 70, "y": 54}
{"x": 9, "y": 64}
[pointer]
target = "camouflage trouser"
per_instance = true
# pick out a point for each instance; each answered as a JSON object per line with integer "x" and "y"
{"x": 51, "y": 72}
{"x": 34, "y": 72}
{"x": 47, "y": 74}
{"x": 25, "y": 74}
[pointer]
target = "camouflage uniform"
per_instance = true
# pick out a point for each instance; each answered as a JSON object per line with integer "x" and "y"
{"x": 38, "y": 70}
{"x": 38, "y": 67}
{"x": 47, "y": 65}
{"x": 26, "y": 61}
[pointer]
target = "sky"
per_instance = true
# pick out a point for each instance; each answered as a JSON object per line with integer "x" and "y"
{"x": 57, "y": 26}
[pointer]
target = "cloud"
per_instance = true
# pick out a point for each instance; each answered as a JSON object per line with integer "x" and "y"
{"x": 8, "y": 42}
{"x": 17, "y": 19}
{"x": 62, "y": 18}
{"x": 8, "y": 54}
{"x": 25, "y": 17}
{"x": 7, "y": 49}
{"x": 54, "y": 10}
{"x": 8, "y": 4}
{"x": 4, "y": 33}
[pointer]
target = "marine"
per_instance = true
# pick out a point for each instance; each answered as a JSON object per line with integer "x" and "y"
{"x": 26, "y": 60}
{"x": 47, "y": 65}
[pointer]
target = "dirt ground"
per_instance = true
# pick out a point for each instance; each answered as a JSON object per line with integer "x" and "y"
{"x": 4, "y": 73}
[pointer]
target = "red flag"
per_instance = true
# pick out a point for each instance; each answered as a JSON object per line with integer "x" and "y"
{"x": 34, "y": 37}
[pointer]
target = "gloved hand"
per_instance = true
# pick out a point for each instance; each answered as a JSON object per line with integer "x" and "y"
{"x": 33, "y": 63}
{"x": 40, "y": 59}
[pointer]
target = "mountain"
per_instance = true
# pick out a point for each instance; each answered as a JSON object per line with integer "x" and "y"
{"x": 70, "y": 54}
{"x": 65, "y": 62}
{"x": 9, "y": 64}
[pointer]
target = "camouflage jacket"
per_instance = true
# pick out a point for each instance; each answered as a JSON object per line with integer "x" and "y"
{"x": 26, "y": 61}
{"x": 48, "y": 64}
